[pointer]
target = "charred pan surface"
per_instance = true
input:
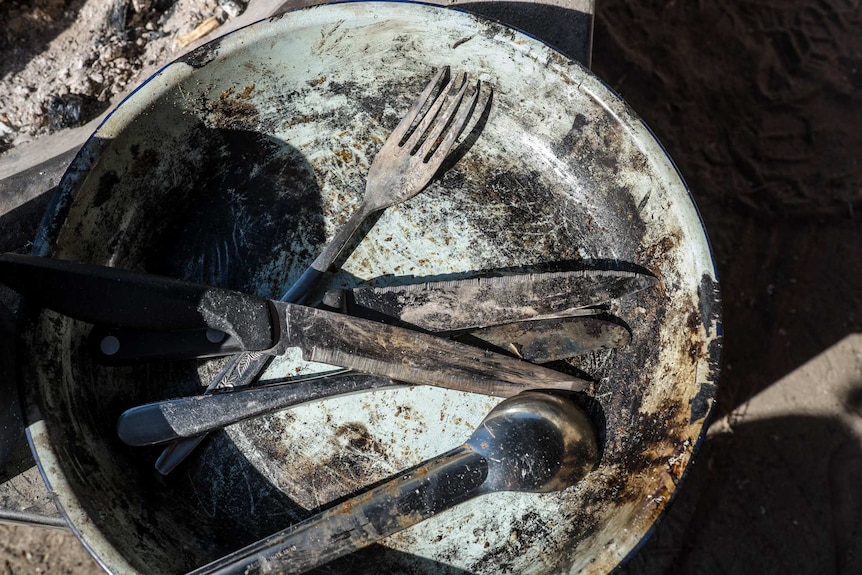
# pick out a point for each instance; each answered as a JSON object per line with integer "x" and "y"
{"x": 203, "y": 55}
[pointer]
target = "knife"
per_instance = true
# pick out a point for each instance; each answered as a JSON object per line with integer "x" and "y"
{"x": 406, "y": 355}
{"x": 442, "y": 307}
{"x": 537, "y": 341}
{"x": 445, "y": 306}
{"x": 271, "y": 327}
{"x": 171, "y": 419}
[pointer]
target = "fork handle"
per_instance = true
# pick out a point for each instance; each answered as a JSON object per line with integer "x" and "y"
{"x": 304, "y": 286}
{"x": 337, "y": 244}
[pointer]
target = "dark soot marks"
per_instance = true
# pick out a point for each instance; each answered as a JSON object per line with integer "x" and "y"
{"x": 250, "y": 196}
{"x": 570, "y": 141}
{"x": 234, "y": 111}
{"x": 710, "y": 302}
{"x": 107, "y": 181}
{"x": 200, "y": 57}
{"x": 355, "y": 446}
{"x": 372, "y": 102}
{"x": 702, "y": 402}
{"x": 143, "y": 162}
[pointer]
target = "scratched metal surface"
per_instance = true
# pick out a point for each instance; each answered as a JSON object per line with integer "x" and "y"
{"x": 236, "y": 164}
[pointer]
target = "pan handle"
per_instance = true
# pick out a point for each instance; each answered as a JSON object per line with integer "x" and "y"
{"x": 11, "y": 420}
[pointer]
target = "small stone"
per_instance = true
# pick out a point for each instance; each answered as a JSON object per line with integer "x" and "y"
{"x": 70, "y": 110}
{"x": 232, "y": 8}
{"x": 110, "y": 52}
{"x": 141, "y": 6}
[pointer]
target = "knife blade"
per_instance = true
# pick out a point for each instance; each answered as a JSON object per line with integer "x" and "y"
{"x": 546, "y": 340}
{"x": 480, "y": 302}
{"x": 409, "y": 356}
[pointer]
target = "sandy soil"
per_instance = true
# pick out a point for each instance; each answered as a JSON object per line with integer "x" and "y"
{"x": 64, "y": 61}
{"x": 26, "y": 550}
{"x": 757, "y": 102}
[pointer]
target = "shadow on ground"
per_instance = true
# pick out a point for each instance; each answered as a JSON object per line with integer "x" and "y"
{"x": 759, "y": 105}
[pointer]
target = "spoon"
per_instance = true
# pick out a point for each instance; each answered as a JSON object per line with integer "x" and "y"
{"x": 533, "y": 442}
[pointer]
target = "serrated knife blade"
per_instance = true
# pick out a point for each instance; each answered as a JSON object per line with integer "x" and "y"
{"x": 447, "y": 306}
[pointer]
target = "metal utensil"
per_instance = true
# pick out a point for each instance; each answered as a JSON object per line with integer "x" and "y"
{"x": 546, "y": 340}
{"x": 171, "y": 419}
{"x": 534, "y": 442}
{"x": 448, "y": 306}
{"x": 401, "y": 169}
{"x": 184, "y": 417}
{"x": 407, "y": 355}
{"x": 444, "y": 307}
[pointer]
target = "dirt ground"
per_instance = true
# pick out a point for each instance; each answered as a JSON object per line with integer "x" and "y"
{"x": 26, "y": 550}
{"x": 758, "y": 102}
{"x": 760, "y": 105}
{"x": 65, "y": 61}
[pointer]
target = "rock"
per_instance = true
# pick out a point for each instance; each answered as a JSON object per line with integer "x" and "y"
{"x": 232, "y": 8}
{"x": 70, "y": 110}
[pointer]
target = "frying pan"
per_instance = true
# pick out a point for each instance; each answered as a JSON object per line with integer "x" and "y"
{"x": 233, "y": 165}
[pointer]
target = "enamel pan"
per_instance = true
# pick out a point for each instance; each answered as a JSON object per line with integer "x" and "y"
{"x": 235, "y": 164}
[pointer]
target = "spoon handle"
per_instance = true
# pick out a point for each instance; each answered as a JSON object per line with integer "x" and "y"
{"x": 406, "y": 500}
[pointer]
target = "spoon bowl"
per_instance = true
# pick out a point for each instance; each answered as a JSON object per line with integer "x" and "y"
{"x": 535, "y": 442}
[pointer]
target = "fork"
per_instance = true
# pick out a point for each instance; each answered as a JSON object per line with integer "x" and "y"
{"x": 404, "y": 166}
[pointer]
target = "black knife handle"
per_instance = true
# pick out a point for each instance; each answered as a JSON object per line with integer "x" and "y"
{"x": 115, "y": 297}
{"x": 117, "y": 346}
{"x": 186, "y": 417}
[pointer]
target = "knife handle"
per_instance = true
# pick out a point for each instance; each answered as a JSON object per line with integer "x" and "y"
{"x": 124, "y": 298}
{"x": 118, "y": 346}
{"x": 537, "y": 341}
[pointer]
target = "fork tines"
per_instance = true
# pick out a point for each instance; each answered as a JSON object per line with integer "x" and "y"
{"x": 433, "y": 131}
